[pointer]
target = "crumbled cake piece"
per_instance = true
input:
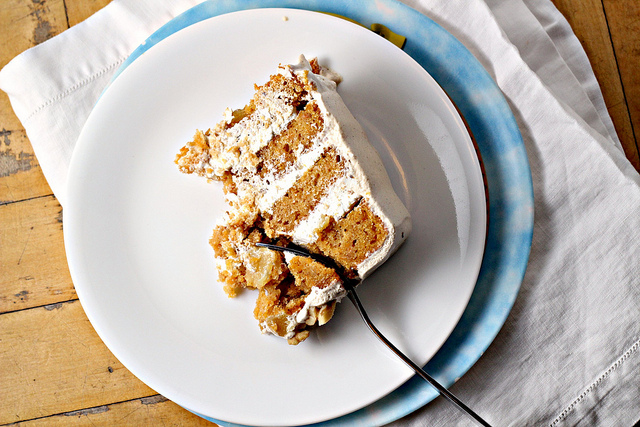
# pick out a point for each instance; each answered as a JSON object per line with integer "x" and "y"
{"x": 296, "y": 167}
{"x": 306, "y": 298}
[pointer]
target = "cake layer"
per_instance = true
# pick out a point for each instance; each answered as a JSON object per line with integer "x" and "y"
{"x": 283, "y": 151}
{"x": 350, "y": 240}
{"x": 304, "y": 195}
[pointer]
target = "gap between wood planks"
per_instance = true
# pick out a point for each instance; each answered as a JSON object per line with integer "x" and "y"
{"x": 147, "y": 400}
{"x": 624, "y": 92}
{"x": 11, "y": 202}
{"x": 48, "y": 307}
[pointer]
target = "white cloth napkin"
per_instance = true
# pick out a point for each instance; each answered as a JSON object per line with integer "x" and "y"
{"x": 569, "y": 353}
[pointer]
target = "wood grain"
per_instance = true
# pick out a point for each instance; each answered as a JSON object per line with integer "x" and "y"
{"x": 20, "y": 175}
{"x": 27, "y": 23}
{"x": 78, "y": 11}
{"x": 623, "y": 19}
{"x": 146, "y": 411}
{"x": 590, "y": 24}
{"x": 54, "y": 362}
{"x": 34, "y": 269}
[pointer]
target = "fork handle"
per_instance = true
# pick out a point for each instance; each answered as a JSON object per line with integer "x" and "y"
{"x": 351, "y": 293}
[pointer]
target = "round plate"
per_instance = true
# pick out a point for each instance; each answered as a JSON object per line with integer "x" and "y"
{"x": 137, "y": 230}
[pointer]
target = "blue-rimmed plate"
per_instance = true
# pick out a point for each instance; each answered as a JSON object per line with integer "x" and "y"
{"x": 507, "y": 243}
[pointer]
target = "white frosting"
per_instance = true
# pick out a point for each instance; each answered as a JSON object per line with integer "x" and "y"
{"x": 271, "y": 117}
{"x": 277, "y": 187}
{"x": 341, "y": 197}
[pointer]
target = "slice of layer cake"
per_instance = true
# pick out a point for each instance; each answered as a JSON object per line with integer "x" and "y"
{"x": 296, "y": 168}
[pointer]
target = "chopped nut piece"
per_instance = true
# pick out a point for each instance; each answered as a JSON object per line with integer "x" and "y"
{"x": 326, "y": 313}
{"x": 262, "y": 267}
{"x": 299, "y": 337}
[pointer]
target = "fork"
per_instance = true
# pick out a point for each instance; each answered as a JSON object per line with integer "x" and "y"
{"x": 350, "y": 285}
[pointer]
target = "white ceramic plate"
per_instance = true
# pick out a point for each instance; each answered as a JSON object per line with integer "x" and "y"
{"x": 136, "y": 230}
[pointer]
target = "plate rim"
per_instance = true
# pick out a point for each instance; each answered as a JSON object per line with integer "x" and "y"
{"x": 413, "y": 394}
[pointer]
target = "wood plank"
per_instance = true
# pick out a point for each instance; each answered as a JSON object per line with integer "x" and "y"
{"x": 154, "y": 410}
{"x": 54, "y": 362}
{"x": 588, "y": 21}
{"x": 33, "y": 263}
{"x": 623, "y": 17}
{"x": 78, "y": 11}
{"x": 27, "y": 23}
{"x": 20, "y": 175}
{"x": 8, "y": 119}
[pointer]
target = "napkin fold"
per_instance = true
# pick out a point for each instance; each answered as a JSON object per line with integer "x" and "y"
{"x": 569, "y": 353}
{"x": 54, "y": 86}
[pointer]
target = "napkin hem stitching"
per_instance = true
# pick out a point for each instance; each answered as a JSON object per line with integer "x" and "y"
{"x": 596, "y": 383}
{"x": 75, "y": 87}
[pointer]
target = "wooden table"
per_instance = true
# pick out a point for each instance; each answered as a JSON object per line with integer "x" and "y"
{"x": 54, "y": 370}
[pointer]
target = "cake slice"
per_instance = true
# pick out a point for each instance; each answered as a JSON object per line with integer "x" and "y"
{"x": 296, "y": 168}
